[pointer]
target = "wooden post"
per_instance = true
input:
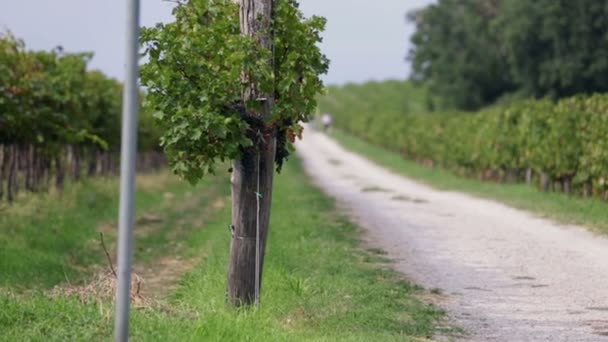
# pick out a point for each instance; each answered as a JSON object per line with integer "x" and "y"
{"x": 3, "y": 163}
{"x": 12, "y": 173}
{"x": 545, "y": 182}
{"x": 59, "y": 170}
{"x": 251, "y": 174}
{"x": 528, "y": 176}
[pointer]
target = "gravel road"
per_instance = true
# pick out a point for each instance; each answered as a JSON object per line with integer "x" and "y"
{"x": 507, "y": 275}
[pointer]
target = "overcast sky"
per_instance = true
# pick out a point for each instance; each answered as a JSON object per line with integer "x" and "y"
{"x": 365, "y": 39}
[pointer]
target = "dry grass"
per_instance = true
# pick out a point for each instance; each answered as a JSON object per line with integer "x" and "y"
{"x": 149, "y": 218}
{"x": 162, "y": 275}
{"x": 103, "y": 286}
{"x": 156, "y": 181}
{"x": 102, "y": 289}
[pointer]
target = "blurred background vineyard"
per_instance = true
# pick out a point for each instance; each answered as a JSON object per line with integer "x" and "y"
{"x": 59, "y": 121}
{"x": 501, "y": 90}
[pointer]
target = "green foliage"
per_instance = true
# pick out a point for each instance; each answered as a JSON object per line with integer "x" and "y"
{"x": 556, "y": 48}
{"x": 49, "y": 99}
{"x": 389, "y": 96}
{"x": 193, "y": 79}
{"x": 457, "y": 54}
{"x": 475, "y": 53}
{"x": 199, "y": 67}
{"x": 564, "y": 140}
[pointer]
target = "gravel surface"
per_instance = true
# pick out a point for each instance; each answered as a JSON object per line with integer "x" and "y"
{"x": 506, "y": 274}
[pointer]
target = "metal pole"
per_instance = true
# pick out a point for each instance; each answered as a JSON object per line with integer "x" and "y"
{"x": 128, "y": 156}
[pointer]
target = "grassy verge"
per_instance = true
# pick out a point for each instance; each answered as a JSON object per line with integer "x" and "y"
{"x": 318, "y": 286}
{"x": 592, "y": 213}
{"x": 51, "y": 238}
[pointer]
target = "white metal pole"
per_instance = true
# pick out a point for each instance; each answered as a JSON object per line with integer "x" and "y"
{"x": 128, "y": 156}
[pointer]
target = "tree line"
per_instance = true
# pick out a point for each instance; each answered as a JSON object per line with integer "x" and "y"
{"x": 60, "y": 121}
{"x": 473, "y": 53}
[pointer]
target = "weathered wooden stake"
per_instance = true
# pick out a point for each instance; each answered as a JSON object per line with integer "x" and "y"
{"x": 251, "y": 174}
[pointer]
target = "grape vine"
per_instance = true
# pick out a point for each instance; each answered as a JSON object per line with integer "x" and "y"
{"x": 59, "y": 120}
{"x": 200, "y": 65}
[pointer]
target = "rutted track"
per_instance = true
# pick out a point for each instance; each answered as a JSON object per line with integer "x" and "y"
{"x": 508, "y": 276}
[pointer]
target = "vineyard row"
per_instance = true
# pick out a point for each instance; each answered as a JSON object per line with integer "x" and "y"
{"x": 59, "y": 120}
{"x": 560, "y": 146}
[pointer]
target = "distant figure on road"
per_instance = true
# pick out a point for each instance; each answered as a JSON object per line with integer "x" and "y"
{"x": 326, "y": 119}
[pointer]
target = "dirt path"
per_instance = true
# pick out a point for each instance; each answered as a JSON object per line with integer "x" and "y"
{"x": 507, "y": 275}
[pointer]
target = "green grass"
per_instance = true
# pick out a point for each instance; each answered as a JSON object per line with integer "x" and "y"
{"x": 592, "y": 213}
{"x": 391, "y": 96}
{"x": 50, "y": 238}
{"x": 319, "y": 285}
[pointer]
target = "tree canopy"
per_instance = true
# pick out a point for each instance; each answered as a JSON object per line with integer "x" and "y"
{"x": 474, "y": 52}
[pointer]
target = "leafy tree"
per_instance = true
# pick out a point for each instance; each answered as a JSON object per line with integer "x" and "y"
{"x": 476, "y": 52}
{"x": 457, "y": 54}
{"x": 556, "y": 48}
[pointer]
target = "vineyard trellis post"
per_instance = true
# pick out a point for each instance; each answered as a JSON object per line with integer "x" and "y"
{"x": 252, "y": 174}
{"x": 128, "y": 157}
